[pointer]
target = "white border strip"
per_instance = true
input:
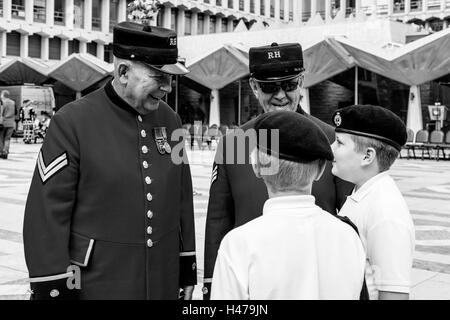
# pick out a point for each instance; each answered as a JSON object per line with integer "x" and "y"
{"x": 88, "y": 254}
{"x": 51, "y": 278}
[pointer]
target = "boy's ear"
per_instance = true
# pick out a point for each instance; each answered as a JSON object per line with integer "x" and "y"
{"x": 369, "y": 157}
{"x": 254, "y": 87}
{"x": 256, "y": 170}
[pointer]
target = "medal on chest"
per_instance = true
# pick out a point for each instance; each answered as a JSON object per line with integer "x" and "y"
{"x": 160, "y": 136}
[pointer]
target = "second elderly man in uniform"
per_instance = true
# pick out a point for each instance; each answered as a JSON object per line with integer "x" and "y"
{"x": 236, "y": 195}
{"x": 106, "y": 195}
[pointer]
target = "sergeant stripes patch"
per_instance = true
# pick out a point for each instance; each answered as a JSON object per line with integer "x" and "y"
{"x": 215, "y": 173}
{"x": 46, "y": 172}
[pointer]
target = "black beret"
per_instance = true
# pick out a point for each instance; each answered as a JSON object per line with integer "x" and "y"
{"x": 373, "y": 122}
{"x": 301, "y": 140}
{"x": 276, "y": 62}
{"x": 152, "y": 45}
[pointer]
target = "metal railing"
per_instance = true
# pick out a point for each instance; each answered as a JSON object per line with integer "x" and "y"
{"x": 17, "y": 11}
{"x": 281, "y": 14}
{"x": 349, "y": 11}
{"x": 306, "y": 16}
{"x": 434, "y": 5}
{"x": 416, "y": 5}
{"x": 59, "y": 18}
{"x": 382, "y": 9}
{"x": 399, "y": 7}
{"x": 96, "y": 23}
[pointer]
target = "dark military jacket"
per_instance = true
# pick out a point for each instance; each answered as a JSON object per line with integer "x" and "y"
{"x": 238, "y": 196}
{"x": 105, "y": 199}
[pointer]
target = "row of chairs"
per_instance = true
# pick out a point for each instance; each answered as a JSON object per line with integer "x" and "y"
{"x": 436, "y": 142}
{"x": 206, "y": 135}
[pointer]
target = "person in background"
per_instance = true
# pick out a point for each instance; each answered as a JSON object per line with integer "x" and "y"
{"x": 7, "y": 116}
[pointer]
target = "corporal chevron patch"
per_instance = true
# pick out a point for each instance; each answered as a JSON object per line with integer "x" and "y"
{"x": 215, "y": 173}
{"x": 46, "y": 172}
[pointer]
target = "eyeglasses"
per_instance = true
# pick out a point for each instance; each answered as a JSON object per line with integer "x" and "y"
{"x": 286, "y": 85}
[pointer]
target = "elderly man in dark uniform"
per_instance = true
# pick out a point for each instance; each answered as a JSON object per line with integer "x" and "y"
{"x": 236, "y": 195}
{"x": 106, "y": 195}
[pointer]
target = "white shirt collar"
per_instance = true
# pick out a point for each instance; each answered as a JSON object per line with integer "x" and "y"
{"x": 367, "y": 186}
{"x": 289, "y": 205}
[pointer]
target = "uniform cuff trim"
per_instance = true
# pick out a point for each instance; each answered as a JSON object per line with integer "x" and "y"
{"x": 52, "y": 278}
{"x": 207, "y": 280}
{"x": 88, "y": 254}
{"x": 187, "y": 254}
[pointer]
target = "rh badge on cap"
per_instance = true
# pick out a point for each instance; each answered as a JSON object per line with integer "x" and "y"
{"x": 337, "y": 119}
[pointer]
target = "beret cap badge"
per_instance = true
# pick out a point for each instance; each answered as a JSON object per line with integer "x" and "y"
{"x": 337, "y": 119}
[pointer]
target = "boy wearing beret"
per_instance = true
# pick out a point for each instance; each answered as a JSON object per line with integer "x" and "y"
{"x": 368, "y": 140}
{"x": 295, "y": 250}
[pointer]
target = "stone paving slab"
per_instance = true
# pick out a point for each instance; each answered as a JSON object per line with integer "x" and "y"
{"x": 425, "y": 184}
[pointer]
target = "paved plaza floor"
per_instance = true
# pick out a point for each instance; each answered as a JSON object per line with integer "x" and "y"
{"x": 425, "y": 185}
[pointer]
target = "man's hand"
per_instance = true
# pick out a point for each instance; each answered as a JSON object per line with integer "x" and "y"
{"x": 188, "y": 290}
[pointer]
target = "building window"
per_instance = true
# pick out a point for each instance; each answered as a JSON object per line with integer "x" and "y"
{"x": 1, "y": 9}
{"x": 54, "y": 48}
{"x": 13, "y": 43}
{"x": 282, "y": 9}
{"x": 34, "y": 46}
{"x": 224, "y": 25}
{"x": 78, "y": 13}
{"x": 252, "y": 6}
{"x": 263, "y": 7}
{"x": 92, "y": 48}
{"x": 200, "y": 23}
{"x": 187, "y": 23}
{"x": 272, "y": 8}
{"x": 18, "y": 9}
{"x": 230, "y": 4}
{"x": 113, "y": 14}
{"x": 108, "y": 54}
{"x": 219, "y": 3}
{"x": 96, "y": 15}
{"x": 39, "y": 11}
{"x": 59, "y": 12}
{"x": 241, "y": 5}
{"x": 206, "y": 1}
{"x": 74, "y": 46}
{"x": 212, "y": 24}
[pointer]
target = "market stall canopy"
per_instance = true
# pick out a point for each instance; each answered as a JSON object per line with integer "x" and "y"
{"x": 415, "y": 63}
{"x": 80, "y": 71}
{"x": 17, "y": 70}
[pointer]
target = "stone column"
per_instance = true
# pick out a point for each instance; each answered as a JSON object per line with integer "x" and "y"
{"x": 277, "y": 10}
{"x": 327, "y": 10}
{"x": 214, "y": 111}
{"x": 7, "y": 10}
{"x": 167, "y": 17}
{"x": 50, "y": 13}
{"x": 313, "y": 8}
{"x": 297, "y": 16}
{"x": 358, "y": 6}
{"x": 247, "y": 6}
{"x": 414, "y": 117}
{"x": 235, "y": 4}
{"x": 407, "y": 6}
{"x": 180, "y": 22}
{"x": 24, "y": 45}
{"x": 101, "y": 51}
{"x": 87, "y": 15}
{"x": 122, "y": 14}
{"x": 343, "y": 8}
{"x": 29, "y": 11}
{"x": 105, "y": 16}
{"x": 230, "y": 26}
{"x": 68, "y": 14}
{"x": 45, "y": 42}
{"x": 206, "y": 23}
{"x": 194, "y": 23}
{"x": 445, "y": 24}
{"x": 287, "y": 10}
{"x": 374, "y": 7}
{"x": 390, "y": 7}
{"x": 424, "y": 5}
{"x": 304, "y": 103}
{"x": 83, "y": 46}
{"x": 258, "y": 7}
{"x": 218, "y": 24}
{"x": 64, "y": 48}
{"x": 267, "y": 8}
{"x": 443, "y": 5}
{"x": 300, "y": 11}
{"x": 2, "y": 44}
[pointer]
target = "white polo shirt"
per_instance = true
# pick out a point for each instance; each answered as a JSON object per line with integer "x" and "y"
{"x": 295, "y": 250}
{"x": 386, "y": 229}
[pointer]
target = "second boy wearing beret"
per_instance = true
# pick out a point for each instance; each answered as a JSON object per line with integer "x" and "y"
{"x": 287, "y": 252}
{"x": 368, "y": 141}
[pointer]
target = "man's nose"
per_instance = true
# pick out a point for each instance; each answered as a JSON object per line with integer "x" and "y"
{"x": 166, "y": 85}
{"x": 280, "y": 94}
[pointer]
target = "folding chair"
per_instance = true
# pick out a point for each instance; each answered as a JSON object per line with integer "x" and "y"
{"x": 436, "y": 139}
{"x": 421, "y": 139}
{"x": 409, "y": 142}
{"x": 446, "y": 145}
